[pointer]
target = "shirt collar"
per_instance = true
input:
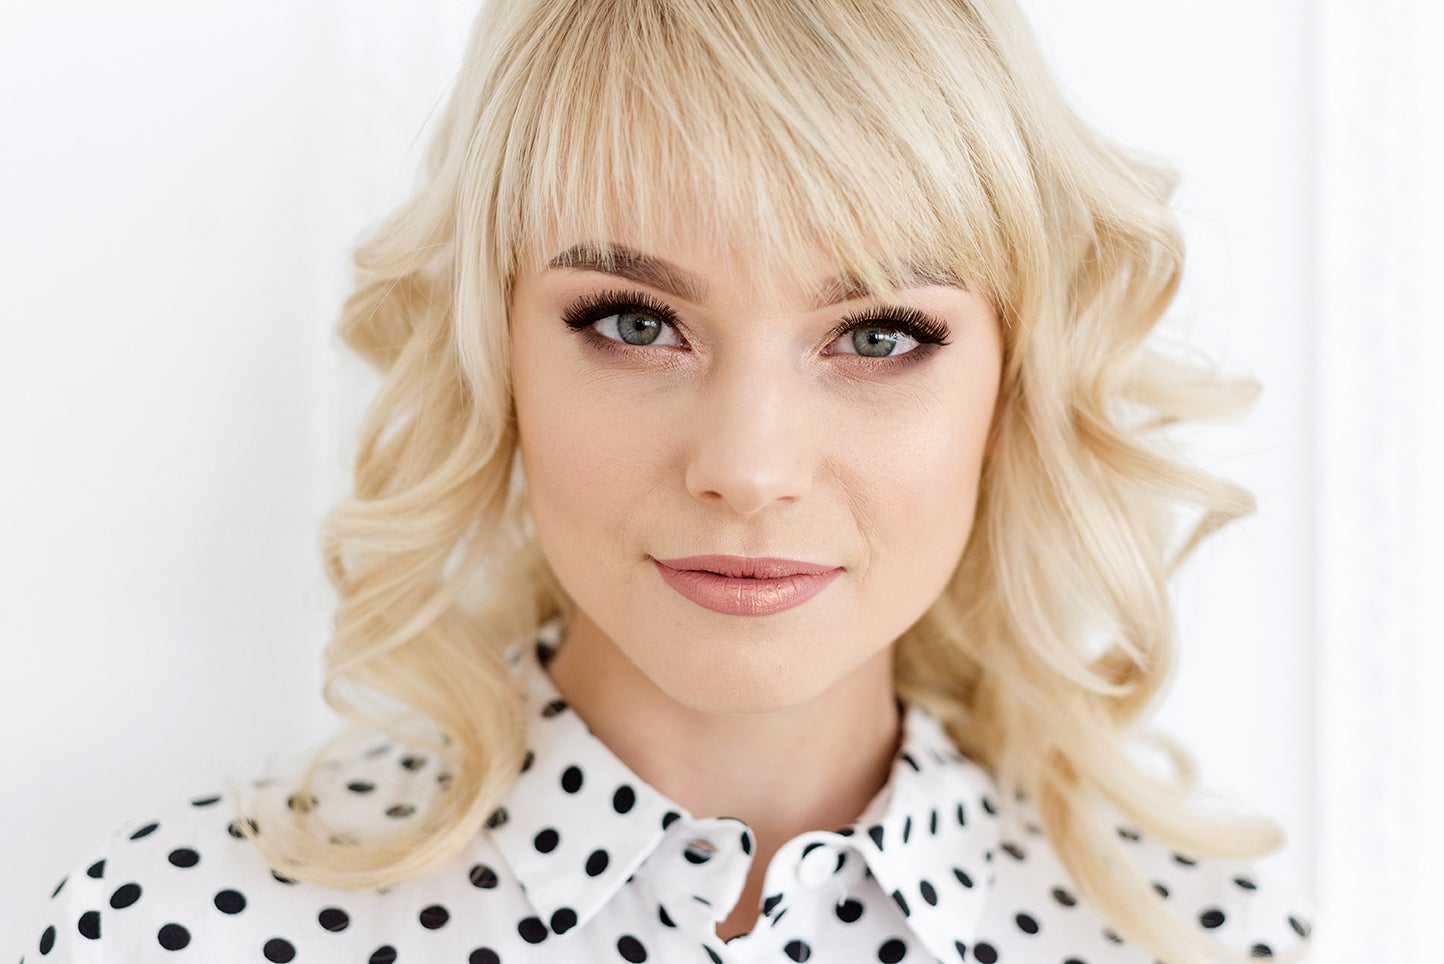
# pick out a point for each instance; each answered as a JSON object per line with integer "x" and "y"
{"x": 934, "y": 821}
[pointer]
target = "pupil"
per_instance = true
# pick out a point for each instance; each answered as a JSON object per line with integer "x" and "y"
{"x": 865, "y": 340}
{"x": 632, "y": 324}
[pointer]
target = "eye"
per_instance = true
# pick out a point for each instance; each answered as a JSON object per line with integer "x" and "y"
{"x": 634, "y": 320}
{"x": 882, "y": 333}
{"x": 873, "y": 341}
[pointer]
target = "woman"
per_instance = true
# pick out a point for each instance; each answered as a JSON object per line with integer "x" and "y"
{"x": 759, "y": 547}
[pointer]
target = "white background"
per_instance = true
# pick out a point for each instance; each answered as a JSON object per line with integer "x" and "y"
{"x": 181, "y": 184}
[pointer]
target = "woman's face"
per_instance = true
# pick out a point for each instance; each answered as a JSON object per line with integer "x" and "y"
{"x": 747, "y": 428}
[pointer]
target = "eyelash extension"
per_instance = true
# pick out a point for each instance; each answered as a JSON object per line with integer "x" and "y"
{"x": 928, "y": 332}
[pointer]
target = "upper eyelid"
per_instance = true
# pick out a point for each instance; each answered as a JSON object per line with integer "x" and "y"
{"x": 877, "y": 313}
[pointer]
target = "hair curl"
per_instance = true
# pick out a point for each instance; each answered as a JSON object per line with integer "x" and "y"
{"x": 915, "y": 131}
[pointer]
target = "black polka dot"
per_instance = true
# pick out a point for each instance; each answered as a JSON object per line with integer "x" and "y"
{"x": 1026, "y": 923}
{"x": 532, "y": 930}
{"x": 665, "y": 917}
{"x": 875, "y": 832}
{"x": 279, "y": 951}
{"x": 145, "y": 831}
{"x": 985, "y": 952}
{"x": 1013, "y": 850}
{"x": 173, "y": 937}
{"x": 962, "y": 950}
{"x": 385, "y": 954}
{"x": 297, "y": 802}
{"x": 47, "y": 940}
{"x": 230, "y": 902}
{"x": 205, "y": 801}
{"x": 992, "y": 811}
{"x": 333, "y": 919}
{"x": 361, "y": 786}
{"x": 96, "y": 870}
{"x": 930, "y": 894}
{"x": 1128, "y": 834}
{"x": 631, "y": 949}
{"x": 962, "y": 816}
{"x": 563, "y": 920}
{"x": 1064, "y": 897}
{"x": 597, "y": 862}
{"x": 901, "y": 903}
{"x": 624, "y": 799}
{"x": 962, "y": 876}
{"x": 1162, "y": 890}
{"x": 1184, "y": 861}
{"x": 1211, "y": 918}
{"x": 1111, "y": 936}
{"x": 184, "y": 857}
{"x": 411, "y": 762}
{"x": 747, "y": 843}
{"x": 525, "y": 766}
{"x": 282, "y": 878}
{"x": 848, "y": 911}
{"x": 433, "y": 917}
{"x": 1246, "y": 883}
{"x": 771, "y": 902}
{"x": 483, "y": 955}
{"x": 1260, "y": 950}
{"x": 553, "y": 708}
{"x": 234, "y": 828}
{"x": 125, "y": 895}
{"x": 797, "y": 950}
{"x": 892, "y": 951}
{"x": 498, "y": 817}
{"x": 669, "y": 818}
{"x": 572, "y": 779}
{"x": 933, "y": 823}
{"x": 712, "y": 955}
{"x": 483, "y": 876}
{"x": 400, "y": 810}
{"x": 1300, "y": 926}
{"x": 546, "y": 841}
{"x": 89, "y": 925}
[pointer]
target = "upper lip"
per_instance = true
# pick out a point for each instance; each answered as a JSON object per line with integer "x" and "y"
{"x": 755, "y": 567}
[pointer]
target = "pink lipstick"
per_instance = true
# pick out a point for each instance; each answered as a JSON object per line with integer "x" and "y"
{"x": 742, "y": 586}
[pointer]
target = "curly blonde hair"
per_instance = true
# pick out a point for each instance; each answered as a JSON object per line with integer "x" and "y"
{"x": 917, "y": 131}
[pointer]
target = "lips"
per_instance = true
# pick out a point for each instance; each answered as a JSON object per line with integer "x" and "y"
{"x": 756, "y": 567}
{"x": 746, "y": 595}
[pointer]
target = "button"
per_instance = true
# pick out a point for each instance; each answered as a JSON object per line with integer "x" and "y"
{"x": 818, "y": 863}
{"x": 699, "y": 851}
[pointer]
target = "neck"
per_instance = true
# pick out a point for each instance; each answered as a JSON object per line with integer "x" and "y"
{"x": 809, "y": 766}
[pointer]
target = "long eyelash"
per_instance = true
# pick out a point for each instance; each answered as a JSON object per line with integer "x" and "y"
{"x": 593, "y": 307}
{"x": 922, "y": 328}
{"x": 930, "y": 333}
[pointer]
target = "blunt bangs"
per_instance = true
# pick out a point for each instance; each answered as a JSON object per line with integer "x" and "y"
{"x": 701, "y": 118}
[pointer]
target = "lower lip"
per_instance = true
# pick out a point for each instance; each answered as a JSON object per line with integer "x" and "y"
{"x": 745, "y": 597}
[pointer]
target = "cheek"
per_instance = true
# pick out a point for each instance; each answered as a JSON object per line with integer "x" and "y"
{"x": 583, "y": 455}
{"x": 916, "y": 494}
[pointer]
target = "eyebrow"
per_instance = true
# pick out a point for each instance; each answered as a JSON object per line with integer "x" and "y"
{"x": 624, "y": 262}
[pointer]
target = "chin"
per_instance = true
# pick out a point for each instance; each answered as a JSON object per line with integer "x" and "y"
{"x": 738, "y": 683}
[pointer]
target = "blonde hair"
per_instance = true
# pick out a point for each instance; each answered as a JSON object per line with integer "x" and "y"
{"x": 917, "y": 131}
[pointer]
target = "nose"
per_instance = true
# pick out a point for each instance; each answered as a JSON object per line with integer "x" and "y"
{"x": 752, "y": 440}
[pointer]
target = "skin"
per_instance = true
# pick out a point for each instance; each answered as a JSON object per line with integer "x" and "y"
{"x": 747, "y": 433}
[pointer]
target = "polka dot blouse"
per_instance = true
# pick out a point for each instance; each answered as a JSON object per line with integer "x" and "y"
{"x": 584, "y": 862}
